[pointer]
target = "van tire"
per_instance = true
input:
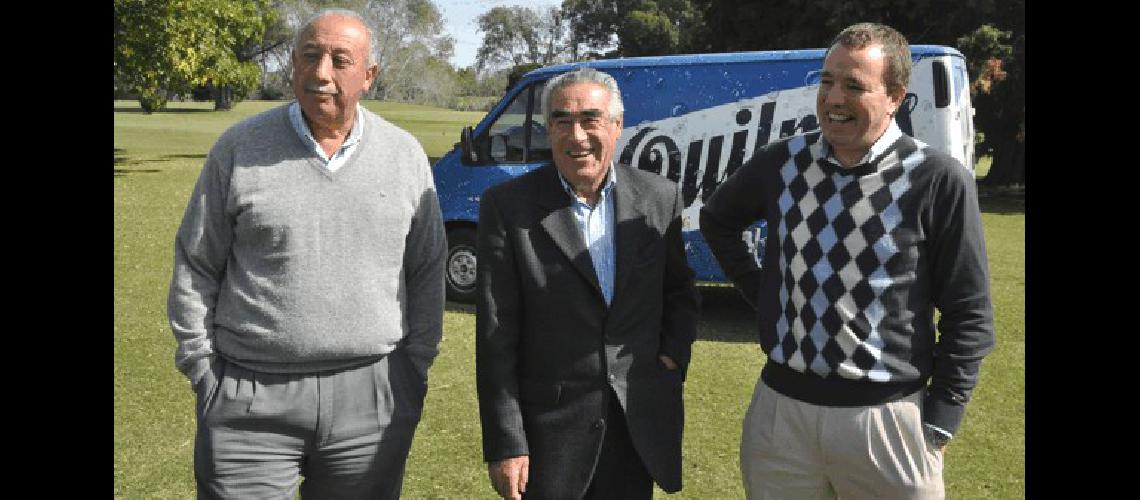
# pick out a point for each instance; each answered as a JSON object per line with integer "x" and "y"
{"x": 460, "y": 265}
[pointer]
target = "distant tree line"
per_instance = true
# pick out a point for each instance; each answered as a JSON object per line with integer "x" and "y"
{"x": 228, "y": 50}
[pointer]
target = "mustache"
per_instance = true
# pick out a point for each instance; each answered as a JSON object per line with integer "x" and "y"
{"x": 317, "y": 89}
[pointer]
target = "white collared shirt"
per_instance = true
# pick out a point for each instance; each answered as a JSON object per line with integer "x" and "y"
{"x": 341, "y": 155}
{"x": 889, "y": 137}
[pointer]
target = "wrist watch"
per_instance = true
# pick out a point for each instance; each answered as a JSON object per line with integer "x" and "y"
{"x": 935, "y": 438}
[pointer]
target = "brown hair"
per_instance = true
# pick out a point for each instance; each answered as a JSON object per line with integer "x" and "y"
{"x": 895, "y": 48}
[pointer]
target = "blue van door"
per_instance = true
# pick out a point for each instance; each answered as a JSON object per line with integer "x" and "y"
{"x": 512, "y": 143}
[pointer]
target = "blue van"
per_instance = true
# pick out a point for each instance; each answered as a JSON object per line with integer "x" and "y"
{"x": 691, "y": 118}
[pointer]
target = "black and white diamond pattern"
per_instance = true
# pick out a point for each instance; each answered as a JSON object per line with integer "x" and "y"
{"x": 836, "y": 244}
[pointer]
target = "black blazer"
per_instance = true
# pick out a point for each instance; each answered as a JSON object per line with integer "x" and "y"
{"x": 547, "y": 345}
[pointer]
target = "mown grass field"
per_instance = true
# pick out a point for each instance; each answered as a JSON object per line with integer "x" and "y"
{"x": 157, "y": 159}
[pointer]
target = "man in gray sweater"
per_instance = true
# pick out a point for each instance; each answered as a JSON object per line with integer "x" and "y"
{"x": 308, "y": 288}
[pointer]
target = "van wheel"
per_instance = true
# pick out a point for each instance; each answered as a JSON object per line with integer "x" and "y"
{"x": 461, "y": 265}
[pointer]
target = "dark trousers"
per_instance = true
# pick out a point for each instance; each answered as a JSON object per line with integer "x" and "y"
{"x": 620, "y": 473}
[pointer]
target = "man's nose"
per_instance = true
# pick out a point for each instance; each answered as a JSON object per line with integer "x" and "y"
{"x": 323, "y": 70}
{"x": 833, "y": 95}
{"x": 577, "y": 131}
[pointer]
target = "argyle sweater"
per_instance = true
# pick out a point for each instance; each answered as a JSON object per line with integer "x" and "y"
{"x": 856, "y": 261}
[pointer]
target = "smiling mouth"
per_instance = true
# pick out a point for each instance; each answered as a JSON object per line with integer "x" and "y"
{"x": 320, "y": 91}
{"x": 580, "y": 153}
{"x": 839, "y": 117}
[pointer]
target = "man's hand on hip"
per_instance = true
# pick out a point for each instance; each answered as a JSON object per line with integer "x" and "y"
{"x": 509, "y": 475}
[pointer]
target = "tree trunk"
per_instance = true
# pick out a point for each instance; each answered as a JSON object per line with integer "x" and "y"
{"x": 1008, "y": 165}
{"x": 223, "y": 98}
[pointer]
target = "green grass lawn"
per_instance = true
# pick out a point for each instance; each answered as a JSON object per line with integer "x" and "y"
{"x": 157, "y": 159}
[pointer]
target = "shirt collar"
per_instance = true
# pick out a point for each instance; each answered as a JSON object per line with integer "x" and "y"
{"x": 606, "y": 187}
{"x": 306, "y": 135}
{"x": 880, "y": 146}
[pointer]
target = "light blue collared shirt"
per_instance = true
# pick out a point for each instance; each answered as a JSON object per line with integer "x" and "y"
{"x": 597, "y": 226}
{"x": 889, "y": 137}
{"x": 342, "y": 153}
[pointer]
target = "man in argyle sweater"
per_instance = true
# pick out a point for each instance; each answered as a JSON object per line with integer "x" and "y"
{"x": 869, "y": 231}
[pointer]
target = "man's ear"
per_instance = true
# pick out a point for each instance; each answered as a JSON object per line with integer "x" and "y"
{"x": 896, "y": 98}
{"x": 372, "y": 72}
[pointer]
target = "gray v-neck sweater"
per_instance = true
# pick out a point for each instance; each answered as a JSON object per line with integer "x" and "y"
{"x": 283, "y": 266}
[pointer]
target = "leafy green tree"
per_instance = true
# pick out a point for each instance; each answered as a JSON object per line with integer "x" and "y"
{"x": 517, "y": 72}
{"x": 467, "y": 81}
{"x": 645, "y": 33}
{"x": 593, "y": 24}
{"x": 510, "y": 37}
{"x": 517, "y": 35}
{"x": 167, "y": 47}
{"x": 145, "y": 57}
{"x": 642, "y": 27}
{"x": 411, "y": 49}
{"x": 996, "y": 61}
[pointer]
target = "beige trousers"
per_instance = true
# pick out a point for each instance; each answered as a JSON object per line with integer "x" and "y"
{"x": 795, "y": 450}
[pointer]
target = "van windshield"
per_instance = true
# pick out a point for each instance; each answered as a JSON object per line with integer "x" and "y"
{"x": 518, "y": 134}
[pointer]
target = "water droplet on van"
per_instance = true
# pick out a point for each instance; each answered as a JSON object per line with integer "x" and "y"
{"x": 812, "y": 78}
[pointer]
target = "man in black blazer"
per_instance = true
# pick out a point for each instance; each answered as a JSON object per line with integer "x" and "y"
{"x": 586, "y": 313}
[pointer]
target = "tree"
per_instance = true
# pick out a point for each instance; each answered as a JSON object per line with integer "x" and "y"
{"x": 510, "y": 36}
{"x": 144, "y": 55}
{"x": 997, "y": 64}
{"x": 644, "y": 33}
{"x": 249, "y": 30}
{"x": 593, "y": 25}
{"x": 167, "y": 47}
{"x": 516, "y": 73}
{"x": 520, "y": 35}
{"x": 409, "y": 44}
{"x": 642, "y": 27}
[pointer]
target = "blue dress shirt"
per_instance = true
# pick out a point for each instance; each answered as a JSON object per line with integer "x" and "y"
{"x": 597, "y": 226}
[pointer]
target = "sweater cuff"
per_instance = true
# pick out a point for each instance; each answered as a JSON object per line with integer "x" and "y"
{"x": 199, "y": 369}
{"x": 941, "y": 413}
{"x": 422, "y": 357}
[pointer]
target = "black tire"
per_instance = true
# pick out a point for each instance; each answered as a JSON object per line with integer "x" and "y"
{"x": 460, "y": 266}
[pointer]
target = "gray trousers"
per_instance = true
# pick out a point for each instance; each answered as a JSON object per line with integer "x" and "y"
{"x": 346, "y": 432}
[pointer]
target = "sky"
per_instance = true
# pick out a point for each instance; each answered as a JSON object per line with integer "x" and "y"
{"x": 460, "y": 17}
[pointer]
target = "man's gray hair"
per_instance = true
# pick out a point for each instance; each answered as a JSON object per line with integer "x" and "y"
{"x": 584, "y": 75}
{"x": 337, "y": 12}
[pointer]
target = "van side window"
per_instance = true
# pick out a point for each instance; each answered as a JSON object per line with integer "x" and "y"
{"x": 518, "y": 134}
{"x": 941, "y": 84}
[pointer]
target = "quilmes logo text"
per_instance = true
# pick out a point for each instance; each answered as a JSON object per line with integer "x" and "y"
{"x": 699, "y": 150}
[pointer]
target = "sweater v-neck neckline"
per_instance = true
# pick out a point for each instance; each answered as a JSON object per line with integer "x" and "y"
{"x": 315, "y": 161}
{"x": 323, "y": 168}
